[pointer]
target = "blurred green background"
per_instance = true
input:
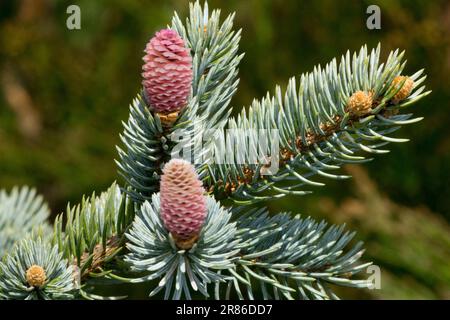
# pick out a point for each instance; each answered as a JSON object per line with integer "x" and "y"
{"x": 63, "y": 95}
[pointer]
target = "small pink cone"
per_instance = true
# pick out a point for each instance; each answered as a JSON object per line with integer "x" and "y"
{"x": 183, "y": 203}
{"x": 167, "y": 72}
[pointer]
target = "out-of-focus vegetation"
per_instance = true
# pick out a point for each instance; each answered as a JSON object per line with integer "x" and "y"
{"x": 63, "y": 95}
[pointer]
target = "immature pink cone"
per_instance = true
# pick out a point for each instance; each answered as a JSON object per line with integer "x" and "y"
{"x": 167, "y": 72}
{"x": 183, "y": 203}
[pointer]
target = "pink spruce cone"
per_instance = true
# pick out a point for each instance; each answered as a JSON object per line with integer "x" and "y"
{"x": 183, "y": 204}
{"x": 167, "y": 72}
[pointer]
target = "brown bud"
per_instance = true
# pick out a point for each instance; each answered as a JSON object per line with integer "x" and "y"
{"x": 167, "y": 120}
{"x": 36, "y": 276}
{"x": 185, "y": 244}
{"x": 406, "y": 89}
{"x": 360, "y": 103}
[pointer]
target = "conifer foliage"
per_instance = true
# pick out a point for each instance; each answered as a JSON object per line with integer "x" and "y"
{"x": 171, "y": 224}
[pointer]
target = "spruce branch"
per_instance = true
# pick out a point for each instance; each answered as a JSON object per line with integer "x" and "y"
{"x": 181, "y": 272}
{"x": 35, "y": 270}
{"x": 146, "y": 147}
{"x": 284, "y": 257}
{"x": 326, "y": 121}
{"x": 92, "y": 233}
{"x": 214, "y": 48}
{"x": 275, "y": 257}
{"x": 21, "y": 211}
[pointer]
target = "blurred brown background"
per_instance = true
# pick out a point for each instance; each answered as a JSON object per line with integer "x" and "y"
{"x": 63, "y": 95}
